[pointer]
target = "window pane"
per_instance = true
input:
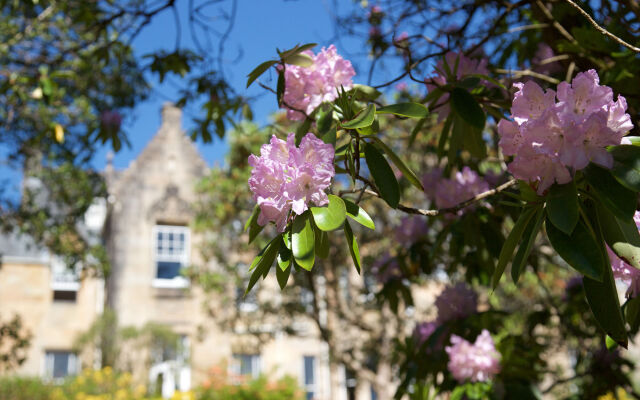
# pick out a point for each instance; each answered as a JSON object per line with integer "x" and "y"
{"x": 309, "y": 378}
{"x": 168, "y": 269}
{"x": 309, "y": 396}
{"x": 58, "y": 363}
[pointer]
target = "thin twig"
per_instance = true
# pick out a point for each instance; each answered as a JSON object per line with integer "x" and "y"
{"x": 601, "y": 29}
{"x": 528, "y": 72}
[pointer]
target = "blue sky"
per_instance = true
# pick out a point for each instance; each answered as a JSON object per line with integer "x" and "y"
{"x": 260, "y": 26}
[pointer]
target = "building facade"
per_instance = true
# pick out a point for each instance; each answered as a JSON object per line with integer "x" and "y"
{"x": 145, "y": 225}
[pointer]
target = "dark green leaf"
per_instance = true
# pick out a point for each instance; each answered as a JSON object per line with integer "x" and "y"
{"x": 363, "y": 119}
{"x": 296, "y": 49}
{"x": 411, "y": 110}
{"x": 259, "y": 70}
{"x": 621, "y": 235}
{"x": 562, "y": 206}
{"x": 263, "y": 262}
{"x": 364, "y": 92}
{"x": 580, "y": 249}
{"x": 463, "y": 103}
{"x": 330, "y": 137}
{"x": 353, "y": 246}
{"x": 510, "y": 244}
{"x": 406, "y": 171}
{"x": 322, "y": 244}
{"x": 284, "y": 256}
{"x": 633, "y": 313}
{"x": 283, "y": 276}
{"x": 415, "y": 131}
{"x": 331, "y": 216}
{"x": 252, "y": 224}
{"x": 302, "y": 130}
{"x": 469, "y": 137}
{"x": 444, "y": 136}
{"x": 626, "y": 166}
{"x": 358, "y": 214}
{"x": 383, "y": 175}
{"x": 617, "y": 198}
{"x": 324, "y": 119}
{"x": 370, "y": 130}
{"x": 303, "y": 241}
{"x": 528, "y": 239}
{"x": 280, "y": 88}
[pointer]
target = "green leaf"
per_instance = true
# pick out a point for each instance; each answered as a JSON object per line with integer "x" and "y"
{"x": 363, "y": 119}
{"x": 626, "y": 165}
{"x": 302, "y": 130}
{"x": 330, "y": 217}
{"x": 331, "y": 136}
{"x": 300, "y": 59}
{"x": 406, "y": 171}
{"x": 295, "y": 50}
{"x": 353, "y": 246}
{"x": 466, "y": 106}
{"x": 359, "y": 215}
{"x": 303, "y": 241}
{"x": 605, "y": 306}
{"x": 580, "y": 249}
{"x": 528, "y": 239}
{"x": 621, "y": 235}
{"x": 562, "y": 206}
{"x": 364, "y": 92}
{"x": 263, "y": 262}
{"x": 252, "y": 224}
{"x": 324, "y": 119}
{"x": 383, "y": 175}
{"x": 416, "y": 130}
{"x": 411, "y": 110}
{"x": 510, "y": 244}
{"x": 259, "y": 70}
{"x": 283, "y": 276}
{"x": 280, "y": 87}
{"x": 610, "y": 343}
{"x": 633, "y": 313}
{"x": 444, "y": 137}
{"x": 617, "y": 198}
{"x": 468, "y": 137}
{"x": 370, "y": 130}
{"x": 284, "y": 256}
{"x": 322, "y": 243}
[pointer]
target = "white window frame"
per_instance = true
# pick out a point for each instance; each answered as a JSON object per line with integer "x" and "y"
{"x": 311, "y": 387}
{"x": 236, "y": 366}
{"x": 73, "y": 364}
{"x": 62, "y": 278}
{"x": 177, "y": 282}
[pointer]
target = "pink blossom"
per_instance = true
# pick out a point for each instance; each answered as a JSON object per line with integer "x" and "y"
{"x": 386, "y": 268}
{"x": 447, "y": 193}
{"x": 552, "y": 135}
{"x": 540, "y": 61}
{"x": 423, "y": 331}
{"x": 411, "y": 228}
{"x": 625, "y": 272}
{"x": 401, "y": 38}
{"x": 477, "y": 362}
{"x": 288, "y": 178}
{"x": 308, "y": 87}
{"x": 465, "y": 66}
{"x": 456, "y": 302}
{"x": 111, "y": 120}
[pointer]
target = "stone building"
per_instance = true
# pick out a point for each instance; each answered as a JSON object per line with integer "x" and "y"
{"x": 145, "y": 225}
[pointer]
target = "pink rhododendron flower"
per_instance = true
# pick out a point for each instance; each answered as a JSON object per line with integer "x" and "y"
{"x": 447, "y": 193}
{"x": 423, "y": 331}
{"x": 541, "y": 63}
{"x": 456, "y": 302}
{"x": 386, "y": 268}
{"x": 625, "y": 272}
{"x": 477, "y": 362}
{"x": 308, "y": 87}
{"x": 288, "y": 178}
{"x": 551, "y": 139}
{"x": 411, "y": 228}
{"x": 466, "y": 66}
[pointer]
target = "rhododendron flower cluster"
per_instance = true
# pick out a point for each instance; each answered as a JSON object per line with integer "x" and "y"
{"x": 411, "y": 228}
{"x": 447, "y": 193}
{"x": 288, "y": 178}
{"x": 477, "y": 362}
{"x": 550, "y": 139}
{"x": 456, "y": 302}
{"x": 308, "y": 87}
{"x": 465, "y": 66}
{"x": 625, "y": 272}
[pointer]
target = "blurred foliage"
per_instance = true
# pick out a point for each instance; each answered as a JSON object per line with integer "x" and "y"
{"x": 14, "y": 343}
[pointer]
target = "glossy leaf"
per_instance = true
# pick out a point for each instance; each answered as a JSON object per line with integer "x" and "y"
{"x": 284, "y": 256}
{"x": 296, "y": 49}
{"x": 468, "y": 137}
{"x": 331, "y": 216}
{"x": 300, "y": 59}
{"x": 303, "y": 241}
{"x": 353, "y": 246}
{"x": 259, "y": 70}
{"x": 580, "y": 249}
{"x": 410, "y": 110}
{"x": 359, "y": 215}
{"x": 263, "y": 262}
{"x": 626, "y": 166}
{"x": 621, "y": 235}
{"x": 322, "y": 243}
{"x": 363, "y": 119}
{"x": 466, "y": 106}
{"x": 528, "y": 239}
{"x": 613, "y": 195}
{"x": 406, "y": 171}
{"x": 383, "y": 175}
{"x": 324, "y": 119}
{"x": 283, "y": 276}
{"x": 510, "y": 244}
{"x": 562, "y": 206}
